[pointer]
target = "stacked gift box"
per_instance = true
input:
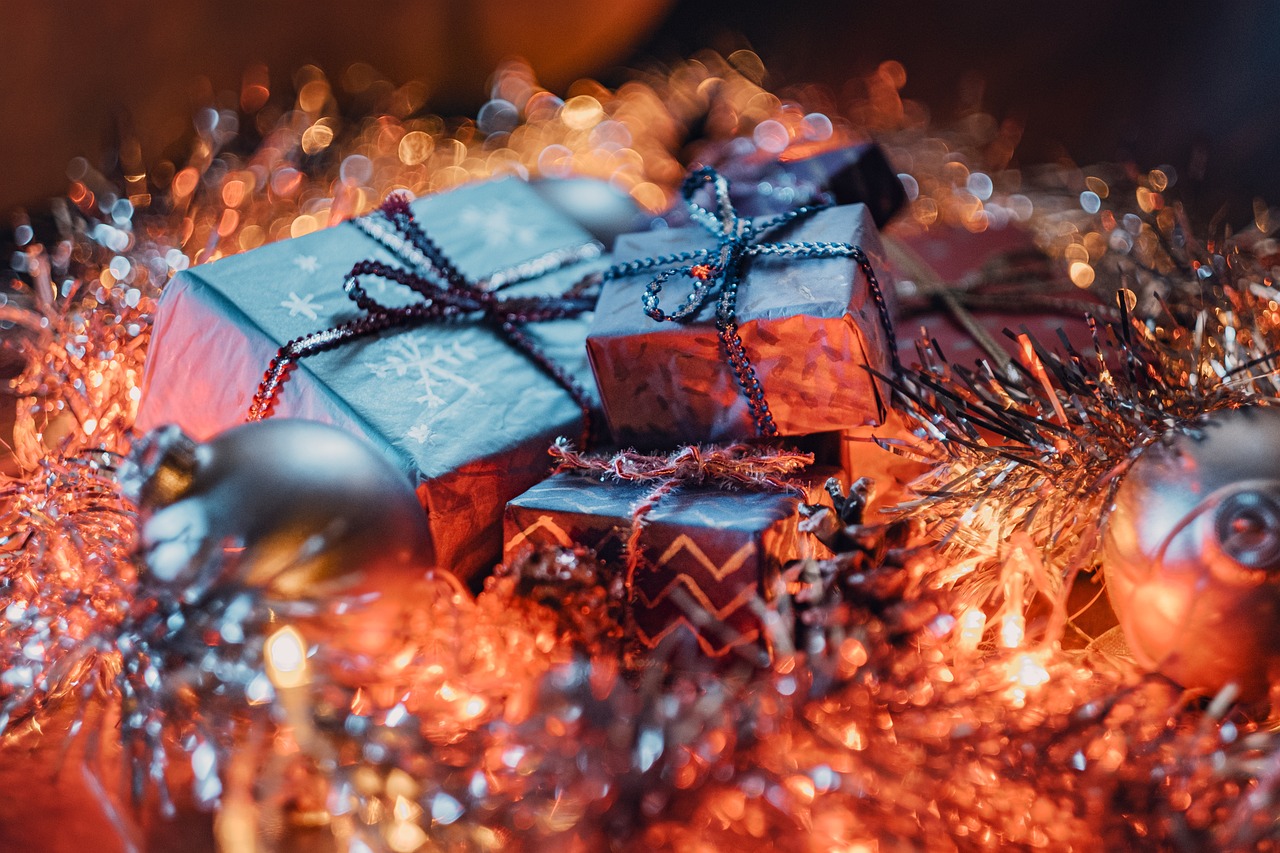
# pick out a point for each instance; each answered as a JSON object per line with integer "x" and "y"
{"x": 468, "y": 416}
{"x": 705, "y": 552}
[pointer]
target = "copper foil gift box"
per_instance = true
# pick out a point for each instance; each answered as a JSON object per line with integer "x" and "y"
{"x": 464, "y": 413}
{"x": 735, "y": 328}
{"x": 705, "y": 551}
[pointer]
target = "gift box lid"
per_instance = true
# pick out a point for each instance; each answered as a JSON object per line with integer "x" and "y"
{"x": 702, "y": 508}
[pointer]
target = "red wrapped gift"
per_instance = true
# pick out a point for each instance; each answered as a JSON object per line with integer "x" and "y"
{"x": 707, "y": 557}
{"x": 763, "y": 328}
{"x": 999, "y": 280}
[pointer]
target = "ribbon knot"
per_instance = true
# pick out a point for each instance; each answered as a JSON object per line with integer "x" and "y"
{"x": 444, "y": 294}
{"x": 719, "y": 269}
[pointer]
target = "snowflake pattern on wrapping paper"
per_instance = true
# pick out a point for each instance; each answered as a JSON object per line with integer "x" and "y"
{"x": 433, "y": 370}
{"x": 307, "y": 263}
{"x": 500, "y": 224}
{"x": 304, "y": 305}
{"x": 422, "y": 433}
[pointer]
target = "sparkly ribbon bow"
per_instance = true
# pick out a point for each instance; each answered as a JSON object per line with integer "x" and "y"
{"x": 734, "y": 467}
{"x": 722, "y": 267}
{"x": 446, "y": 294}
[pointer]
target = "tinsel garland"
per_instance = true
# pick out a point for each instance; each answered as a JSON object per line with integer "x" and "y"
{"x": 920, "y": 711}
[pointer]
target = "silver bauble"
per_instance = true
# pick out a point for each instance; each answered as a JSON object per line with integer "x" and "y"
{"x": 1191, "y": 552}
{"x": 293, "y": 507}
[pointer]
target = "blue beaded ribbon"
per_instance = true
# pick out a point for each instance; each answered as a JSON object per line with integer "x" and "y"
{"x": 445, "y": 294}
{"x": 720, "y": 269}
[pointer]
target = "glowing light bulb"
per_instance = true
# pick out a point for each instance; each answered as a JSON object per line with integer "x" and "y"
{"x": 973, "y": 624}
{"x": 286, "y": 657}
{"x": 1028, "y": 672}
{"x": 1012, "y": 630}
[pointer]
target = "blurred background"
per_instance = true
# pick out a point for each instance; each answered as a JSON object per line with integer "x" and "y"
{"x": 1188, "y": 84}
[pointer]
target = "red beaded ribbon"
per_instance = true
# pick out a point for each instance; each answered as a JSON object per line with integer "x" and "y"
{"x": 446, "y": 294}
{"x": 741, "y": 467}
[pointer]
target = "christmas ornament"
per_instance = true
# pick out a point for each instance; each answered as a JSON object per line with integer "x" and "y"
{"x": 290, "y": 506}
{"x": 1191, "y": 552}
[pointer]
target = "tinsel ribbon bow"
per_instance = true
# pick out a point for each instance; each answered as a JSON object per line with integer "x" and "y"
{"x": 720, "y": 269}
{"x": 445, "y": 295}
{"x": 733, "y": 467}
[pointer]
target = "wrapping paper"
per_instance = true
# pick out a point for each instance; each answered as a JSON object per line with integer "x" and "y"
{"x": 464, "y": 415}
{"x": 723, "y": 549}
{"x": 960, "y": 258}
{"x": 809, "y": 326}
{"x": 854, "y": 174}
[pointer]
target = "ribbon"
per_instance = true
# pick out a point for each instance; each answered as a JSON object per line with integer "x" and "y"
{"x": 741, "y": 467}
{"x": 721, "y": 268}
{"x": 446, "y": 294}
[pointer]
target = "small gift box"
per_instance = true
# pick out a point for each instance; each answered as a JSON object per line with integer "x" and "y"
{"x": 853, "y": 174}
{"x": 462, "y": 411}
{"x": 778, "y": 321}
{"x": 705, "y": 551}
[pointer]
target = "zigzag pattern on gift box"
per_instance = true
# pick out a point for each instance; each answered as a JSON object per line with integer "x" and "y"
{"x": 685, "y": 544}
{"x": 546, "y": 524}
{"x": 711, "y": 615}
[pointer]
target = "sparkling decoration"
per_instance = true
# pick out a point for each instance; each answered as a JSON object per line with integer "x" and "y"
{"x": 937, "y": 697}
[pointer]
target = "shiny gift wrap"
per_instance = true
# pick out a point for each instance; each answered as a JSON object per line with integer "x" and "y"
{"x": 810, "y": 327}
{"x": 706, "y": 551}
{"x": 465, "y": 415}
{"x": 853, "y": 174}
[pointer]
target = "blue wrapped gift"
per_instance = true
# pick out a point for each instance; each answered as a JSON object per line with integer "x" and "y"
{"x": 464, "y": 414}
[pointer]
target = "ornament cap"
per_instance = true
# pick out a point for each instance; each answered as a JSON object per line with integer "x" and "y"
{"x": 159, "y": 468}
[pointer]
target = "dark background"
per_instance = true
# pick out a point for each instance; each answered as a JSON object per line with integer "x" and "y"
{"x": 1152, "y": 82}
{"x": 1189, "y": 84}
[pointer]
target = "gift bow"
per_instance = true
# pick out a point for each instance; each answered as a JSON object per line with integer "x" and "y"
{"x": 721, "y": 268}
{"x": 445, "y": 294}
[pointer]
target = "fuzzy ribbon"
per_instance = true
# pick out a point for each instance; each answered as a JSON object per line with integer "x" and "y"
{"x": 732, "y": 467}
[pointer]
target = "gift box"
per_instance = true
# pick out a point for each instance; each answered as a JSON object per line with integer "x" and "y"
{"x": 854, "y": 174}
{"x": 810, "y": 327}
{"x": 465, "y": 415}
{"x": 722, "y": 549}
{"x": 1001, "y": 280}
